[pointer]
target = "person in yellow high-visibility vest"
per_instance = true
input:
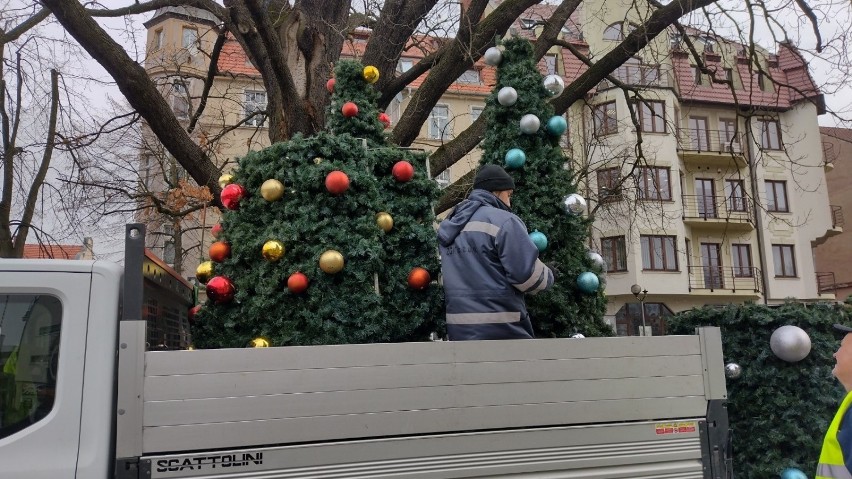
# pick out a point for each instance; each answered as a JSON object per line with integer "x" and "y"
{"x": 835, "y": 460}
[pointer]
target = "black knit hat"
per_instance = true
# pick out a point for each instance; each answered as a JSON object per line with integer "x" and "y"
{"x": 493, "y": 178}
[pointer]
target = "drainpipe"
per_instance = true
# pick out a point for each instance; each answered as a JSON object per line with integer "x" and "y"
{"x": 755, "y": 211}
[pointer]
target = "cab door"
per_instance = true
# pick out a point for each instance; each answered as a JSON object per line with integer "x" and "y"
{"x": 43, "y": 321}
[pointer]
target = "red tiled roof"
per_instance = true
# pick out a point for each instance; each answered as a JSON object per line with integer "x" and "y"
{"x": 46, "y": 251}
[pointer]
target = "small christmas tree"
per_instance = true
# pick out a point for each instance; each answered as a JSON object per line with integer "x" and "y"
{"x": 523, "y": 136}
{"x": 327, "y": 239}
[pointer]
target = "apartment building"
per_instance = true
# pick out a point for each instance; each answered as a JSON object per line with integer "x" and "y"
{"x": 721, "y": 202}
{"x": 834, "y": 256}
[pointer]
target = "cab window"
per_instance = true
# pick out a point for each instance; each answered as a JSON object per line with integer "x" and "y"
{"x": 29, "y": 358}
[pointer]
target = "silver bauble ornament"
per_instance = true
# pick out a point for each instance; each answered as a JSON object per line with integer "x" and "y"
{"x": 507, "y": 96}
{"x": 577, "y": 336}
{"x": 574, "y": 204}
{"x": 529, "y": 124}
{"x": 554, "y": 84}
{"x": 493, "y": 56}
{"x": 733, "y": 370}
{"x": 597, "y": 260}
{"x": 790, "y": 343}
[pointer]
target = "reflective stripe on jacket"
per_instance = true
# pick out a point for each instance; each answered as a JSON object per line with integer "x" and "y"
{"x": 488, "y": 263}
{"x": 831, "y": 462}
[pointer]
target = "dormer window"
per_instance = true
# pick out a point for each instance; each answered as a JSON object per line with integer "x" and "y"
{"x": 613, "y": 33}
{"x": 528, "y": 23}
{"x": 470, "y": 76}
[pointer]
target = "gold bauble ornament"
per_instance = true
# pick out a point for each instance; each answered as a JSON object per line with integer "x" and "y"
{"x": 259, "y": 343}
{"x": 385, "y": 221}
{"x": 331, "y": 261}
{"x": 273, "y": 250}
{"x": 318, "y": 160}
{"x": 371, "y": 74}
{"x": 225, "y": 180}
{"x": 272, "y": 190}
{"x": 204, "y": 272}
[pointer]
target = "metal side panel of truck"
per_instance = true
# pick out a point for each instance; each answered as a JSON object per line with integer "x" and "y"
{"x": 629, "y": 407}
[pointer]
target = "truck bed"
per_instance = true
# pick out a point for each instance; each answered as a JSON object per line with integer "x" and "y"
{"x": 596, "y": 407}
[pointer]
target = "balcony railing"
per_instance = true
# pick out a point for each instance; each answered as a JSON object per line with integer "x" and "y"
{"x": 826, "y": 283}
{"x": 640, "y": 75}
{"x": 709, "y": 141}
{"x": 837, "y": 220}
{"x": 829, "y": 154}
{"x": 724, "y": 278}
{"x": 736, "y": 209}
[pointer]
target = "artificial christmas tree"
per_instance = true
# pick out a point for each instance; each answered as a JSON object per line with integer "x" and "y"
{"x": 523, "y": 136}
{"x": 326, "y": 260}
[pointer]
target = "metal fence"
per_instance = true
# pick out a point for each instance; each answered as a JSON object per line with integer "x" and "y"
{"x": 724, "y": 278}
{"x": 701, "y": 140}
{"x": 706, "y": 207}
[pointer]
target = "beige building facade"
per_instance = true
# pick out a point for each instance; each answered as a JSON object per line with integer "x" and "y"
{"x": 722, "y": 202}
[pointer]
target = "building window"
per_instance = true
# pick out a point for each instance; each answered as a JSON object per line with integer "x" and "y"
{"x": 255, "y": 103}
{"x": 404, "y": 65}
{"x": 443, "y": 178}
{"x": 475, "y": 111}
{"x": 439, "y": 122}
{"x": 696, "y": 75}
{"x": 785, "y": 260}
{"x": 470, "y": 76}
{"x": 629, "y": 319}
{"x": 169, "y": 244}
{"x": 652, "y": 116}
{"x": 158, "y": 39}
{"x": 189, "y": 40}
{"x": 728, "y": 135}
{"x": 735, "y": 195}
{"x": 609, "y": 185}
{"x": 528, "y": 23}
{"x": 606, "y": 121}
{"x": 658, "y": 253}
{"x": 776, "y": 196}
{"x": 729, "y": 75}
{"x": 654, "y": 183}
{"x": 770, "y": 134}
{"x": 761, "y": 81}
{"x": 180, "y": 100}
{"x": 613, "y": 33}
{"x": 614, "y": 254}
{"x": 741, "y": 257}
{"x": 550, "y": 64}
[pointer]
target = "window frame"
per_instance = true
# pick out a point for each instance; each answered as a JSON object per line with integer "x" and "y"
{"x": 614, "y": 32}
{"x": 766, "y": 138}
{"x": 772, "y": 202}
{"x": 778, "y": 250}
{"x": 667, "y": 243}
{"x": 159, "y": 39}
{"x": 736, "y": 203}
{"x": 470, "y": 72}
{"x": 607, "y": 179}
{"x": 614, "y": 251}
{"x": 479, "y": 108}
{"x": 656, "y": 120}
{"x": 645, "y": 185}
{"x": 737, "y": 256}
{"x": 191, "y": 46}
{"x": 551, "y": 69}
{"x": 605, "y": 118}
{"x": 180, "y": 100}
{"x": 440, "y": 132}
{"x": 258, "y": 120}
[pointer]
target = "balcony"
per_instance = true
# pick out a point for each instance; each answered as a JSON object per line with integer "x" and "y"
{"x": 826, "y": 283}
{"x": 837, "y": 220}
{"x": 711, "y": 146}
{"x": 717, "y": 212}
{"x": 733, "y": 279}
{"x": 829, "y": 155}
{"x": 649, "y": 76}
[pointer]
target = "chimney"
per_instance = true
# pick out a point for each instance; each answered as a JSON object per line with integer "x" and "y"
{"x": 87, "y": 252}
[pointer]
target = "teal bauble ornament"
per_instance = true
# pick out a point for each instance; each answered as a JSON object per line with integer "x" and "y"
{"x": 793, "y": 473}
{"x": 588, "y": 282}
{"x": 556, "y": 126}
{"x": 515, "y": 158}
{"x": 539, "y": 240}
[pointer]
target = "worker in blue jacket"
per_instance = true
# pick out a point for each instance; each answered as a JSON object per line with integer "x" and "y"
{"x": 489, "y": 263}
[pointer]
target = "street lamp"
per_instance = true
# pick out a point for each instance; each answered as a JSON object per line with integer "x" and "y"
{"x": 640, "y": 295}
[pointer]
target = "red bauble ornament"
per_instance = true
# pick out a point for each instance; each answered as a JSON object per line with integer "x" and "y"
{"x": 385, "y": 119}
{"x": 297, "y": 283}
{"x": 231, "y": 196}
{"x": 419, "y": 278}
{"x": 216, "y": 230}
{"x": 220, "y": 290}
{"x": 329, "y": 85}
{"x": 337, "y": 182}
{"x": 220, "y": 251}
{"x": 193, "y": 311}
{"x": 403, "y": 171}
{"x": 349, "y": 109}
